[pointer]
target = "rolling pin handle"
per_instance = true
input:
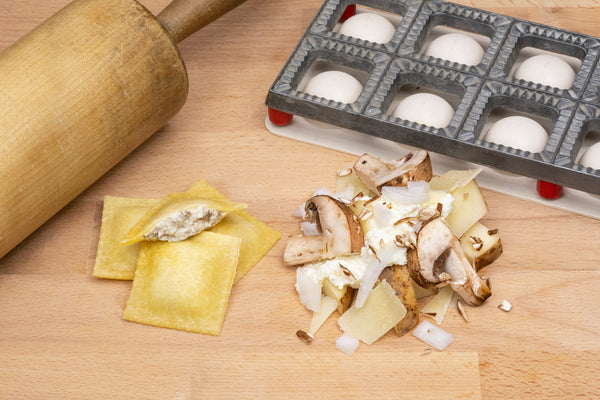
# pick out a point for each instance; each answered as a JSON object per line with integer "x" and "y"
{"x": 181, "y": 18}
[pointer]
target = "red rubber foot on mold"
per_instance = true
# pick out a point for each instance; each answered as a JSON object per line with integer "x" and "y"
{"x": 348, "y": 12}
{"x": 549, "y": 190}
{"x": 279, "y": 118}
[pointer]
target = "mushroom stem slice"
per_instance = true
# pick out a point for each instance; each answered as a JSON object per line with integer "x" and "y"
{"x": 473, "y": 289}
{"x": 369, "y": 170}
{"x": 374, "y": 173}
{"x": 340, "y": 230}
{"x": 302, "y": 249}
{"x": 438, "y": 260}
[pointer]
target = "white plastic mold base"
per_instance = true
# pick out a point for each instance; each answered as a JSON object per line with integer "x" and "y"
{"x": 358, "y": 143}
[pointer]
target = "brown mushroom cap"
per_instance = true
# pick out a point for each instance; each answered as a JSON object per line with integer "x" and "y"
{"x": 340, "y": 230}
{"x": 439, "y": 260}
{"x": 374, "y": 173}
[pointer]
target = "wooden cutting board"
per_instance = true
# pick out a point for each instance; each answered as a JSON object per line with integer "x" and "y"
{"x": 61, "y": 331}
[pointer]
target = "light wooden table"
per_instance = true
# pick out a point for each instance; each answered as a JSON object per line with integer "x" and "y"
{"x": 61, "y": 331}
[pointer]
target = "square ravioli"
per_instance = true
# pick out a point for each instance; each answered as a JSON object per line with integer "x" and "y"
{"x": 184, "y": 285}
{"x": 119, "y": 214}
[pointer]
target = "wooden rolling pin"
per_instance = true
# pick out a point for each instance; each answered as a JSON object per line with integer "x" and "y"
{"x": 79, "y": 93}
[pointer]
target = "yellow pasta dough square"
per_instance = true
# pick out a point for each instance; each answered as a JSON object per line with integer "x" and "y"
{"x": 119, "y": 214}
{"x": 184, "y": 285}
{"x": 257, "y": 238}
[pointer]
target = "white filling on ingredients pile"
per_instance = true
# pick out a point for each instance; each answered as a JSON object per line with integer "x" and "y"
{"x": 184, "y": 223}
{"x": 382, "y": 234}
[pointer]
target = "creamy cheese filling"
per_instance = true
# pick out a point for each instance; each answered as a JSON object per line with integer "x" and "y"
{"x": 184, "y": 223}
{"x": 341, "y": 270}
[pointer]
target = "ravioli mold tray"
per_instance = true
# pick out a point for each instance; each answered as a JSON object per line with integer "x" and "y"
{"x": 478, "y": 93}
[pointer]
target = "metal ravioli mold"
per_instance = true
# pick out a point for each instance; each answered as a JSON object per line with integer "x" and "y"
{"x": 479, "y": 94}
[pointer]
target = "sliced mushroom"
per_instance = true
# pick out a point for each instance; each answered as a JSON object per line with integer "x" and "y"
{"x": 340, "y": 230}
{"x": 439, "y": 260}
{"x": 399, "y": 279}
{"x": 374, "y": 173}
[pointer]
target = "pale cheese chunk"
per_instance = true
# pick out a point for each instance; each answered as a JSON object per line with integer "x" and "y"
{"x": 345, "y": 178}
{"x": 342, "y": 296}
{"x": 438, "y": 306}
{"x": 380, "y": 313}
{"x": 481, "y": 246}
{"x": 469, "y": 206}
{"x": 328, "y": 306}
{"x": 453, "y": 179}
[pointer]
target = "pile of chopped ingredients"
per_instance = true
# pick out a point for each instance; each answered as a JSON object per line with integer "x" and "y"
{"x": 183, "y": 252}
{"x": 391, "y": 235}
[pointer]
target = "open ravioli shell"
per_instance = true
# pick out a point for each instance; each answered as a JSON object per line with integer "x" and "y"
{"x": 119, "y": 215}
{"x": 184, "y": 285}
{"x": 180, "y": 203}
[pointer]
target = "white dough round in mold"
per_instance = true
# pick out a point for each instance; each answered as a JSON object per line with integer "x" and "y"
{"x": 425, "y": 108}
{"x": 456, "y": 47}
{"x": 547, "y": 70}
{"x": 519, "y": 133}
{"x": 368, "y": 26}
{"x": 335, "y": 85}
{"x": 591, "y": 157}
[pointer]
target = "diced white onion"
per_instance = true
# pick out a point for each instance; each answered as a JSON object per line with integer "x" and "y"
{"x": 505, "y": 306}
{"x": 414, "y": 192}
{"x": 309, "y": 228}
{"x": 433, "y": 335}
{"x": 347, "y": 344}
{"x": 300, "y": 212}
{"x": 346, "y": 195}
{"x": 308, "y": 289}
{"x": 367, "y": 282}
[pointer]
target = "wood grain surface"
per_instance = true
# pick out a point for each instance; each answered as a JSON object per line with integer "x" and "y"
{"x": 62, "y": 335}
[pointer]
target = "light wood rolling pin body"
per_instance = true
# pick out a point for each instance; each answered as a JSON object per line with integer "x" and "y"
{"x": 79, "y": 93}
